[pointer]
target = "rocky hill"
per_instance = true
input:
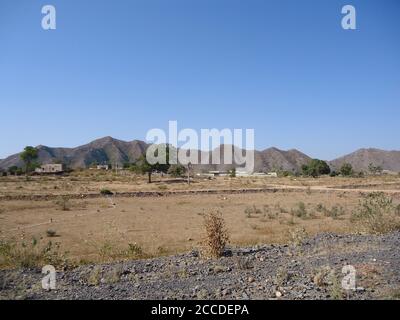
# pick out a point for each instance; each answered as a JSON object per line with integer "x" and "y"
{"x": 360, "y": 159}
{"x": 105, "y": 150}
{"x": 110, "y": 150}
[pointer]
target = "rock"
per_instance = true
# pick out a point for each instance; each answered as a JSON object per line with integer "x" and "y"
{"x": 225, "y": 292}
{"x": 278, "y": 294}
{"x": 219, "y": 269}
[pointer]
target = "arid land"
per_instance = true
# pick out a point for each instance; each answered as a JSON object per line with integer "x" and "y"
{"x": 166, "y": 216}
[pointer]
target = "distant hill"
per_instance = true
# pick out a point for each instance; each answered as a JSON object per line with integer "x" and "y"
{"x": 360, "y": 160}
{"x": 103, "y": 150}
{"x": 110, "y": 150}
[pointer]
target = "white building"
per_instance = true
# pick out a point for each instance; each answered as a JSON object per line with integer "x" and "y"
{"x": 50, "y": 168}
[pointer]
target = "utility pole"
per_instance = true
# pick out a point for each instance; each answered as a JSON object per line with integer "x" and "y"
{"x": 189, "y": 167}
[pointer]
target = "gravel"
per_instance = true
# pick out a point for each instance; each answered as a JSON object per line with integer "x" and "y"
{"x": 312, "y": 270}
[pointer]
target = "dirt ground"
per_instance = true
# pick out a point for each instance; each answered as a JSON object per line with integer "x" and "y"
{"x": 85, "y": 228}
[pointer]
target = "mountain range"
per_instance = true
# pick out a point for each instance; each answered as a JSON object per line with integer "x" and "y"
{"x": 110, "y": 150}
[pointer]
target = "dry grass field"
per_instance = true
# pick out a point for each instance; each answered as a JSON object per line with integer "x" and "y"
{"x": 107, "y": 228}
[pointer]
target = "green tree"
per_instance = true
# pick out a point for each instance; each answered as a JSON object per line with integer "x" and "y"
{"x": 374, "y": 169}
{"x": 177, "y": 170}
{"x": 29, "y": 157}
{"x": 346, "y": 169}
{"x": 232, "y": 173}
{"x": 13, "y": 170}
{"x": 315, "y": 168}
{"x": 142, "y": 166}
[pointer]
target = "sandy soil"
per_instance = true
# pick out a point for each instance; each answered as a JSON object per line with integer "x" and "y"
{"x": 172, "y": 224}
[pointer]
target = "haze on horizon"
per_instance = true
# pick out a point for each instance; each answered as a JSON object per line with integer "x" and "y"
{"x": 284, "y": 68}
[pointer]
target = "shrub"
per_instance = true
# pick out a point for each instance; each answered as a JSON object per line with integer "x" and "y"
{"x": 335, "y": 212}
{"x": 135, "y": 250}
{"x": 346, "y": 169}
{"x": 333, "y": 174}
{"x": 51, "y": 233}
{"x": 398, "y": 210}
{"x": 216, "y": 235}
{"x": 32, "y": 255}
{"x": 252, "y": 210}
{"x": 106, "y": 192}
{"x": 63, "y": 203}
{"x": 315, "y": 168}
{"x": 109, "y": 251}
{"x": 297, "y": 236}
{"x": 300, "y": 211}
{"x": 177, "y": 170}
{"x": 94, "y": 277}
{"x": 376, "y": 214}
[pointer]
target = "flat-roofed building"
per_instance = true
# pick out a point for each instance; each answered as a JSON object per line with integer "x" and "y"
{"x": 50, "y": 168}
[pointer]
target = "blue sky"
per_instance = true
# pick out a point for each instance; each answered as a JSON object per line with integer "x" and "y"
{"x": 285, "y": 68}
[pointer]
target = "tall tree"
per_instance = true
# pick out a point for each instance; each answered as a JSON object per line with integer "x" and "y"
{"x": 346, "y": 169}
{"x": 29, "y": 157}
{"x": 316, "y": 168}
{"x": 144, "y": 167}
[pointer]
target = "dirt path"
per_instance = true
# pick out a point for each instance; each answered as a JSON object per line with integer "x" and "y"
{"x": 270, "y": 188}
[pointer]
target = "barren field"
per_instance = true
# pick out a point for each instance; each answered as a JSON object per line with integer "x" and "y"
{"x": 105, "y": 228}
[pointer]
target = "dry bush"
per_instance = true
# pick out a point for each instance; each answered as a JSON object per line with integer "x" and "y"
{"x": 51, "y": 233}
{"x": 335, "y": 212}
{"x": 109, "y": 251}
{"x": 300, "y": 211}
{"x": 297, "y": 236}
{"x": 63, "y": 203}
{"x": 94, "y": 277}
{"x": 216, "y": 237}
{"x": 376, "y": 214}
{"x": 252, "y": 210}
{"x": 398, "y": 210}
{"x": 30, "y": 255}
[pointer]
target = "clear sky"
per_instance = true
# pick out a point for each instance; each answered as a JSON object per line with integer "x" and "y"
{"x": 119, "y": 68}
